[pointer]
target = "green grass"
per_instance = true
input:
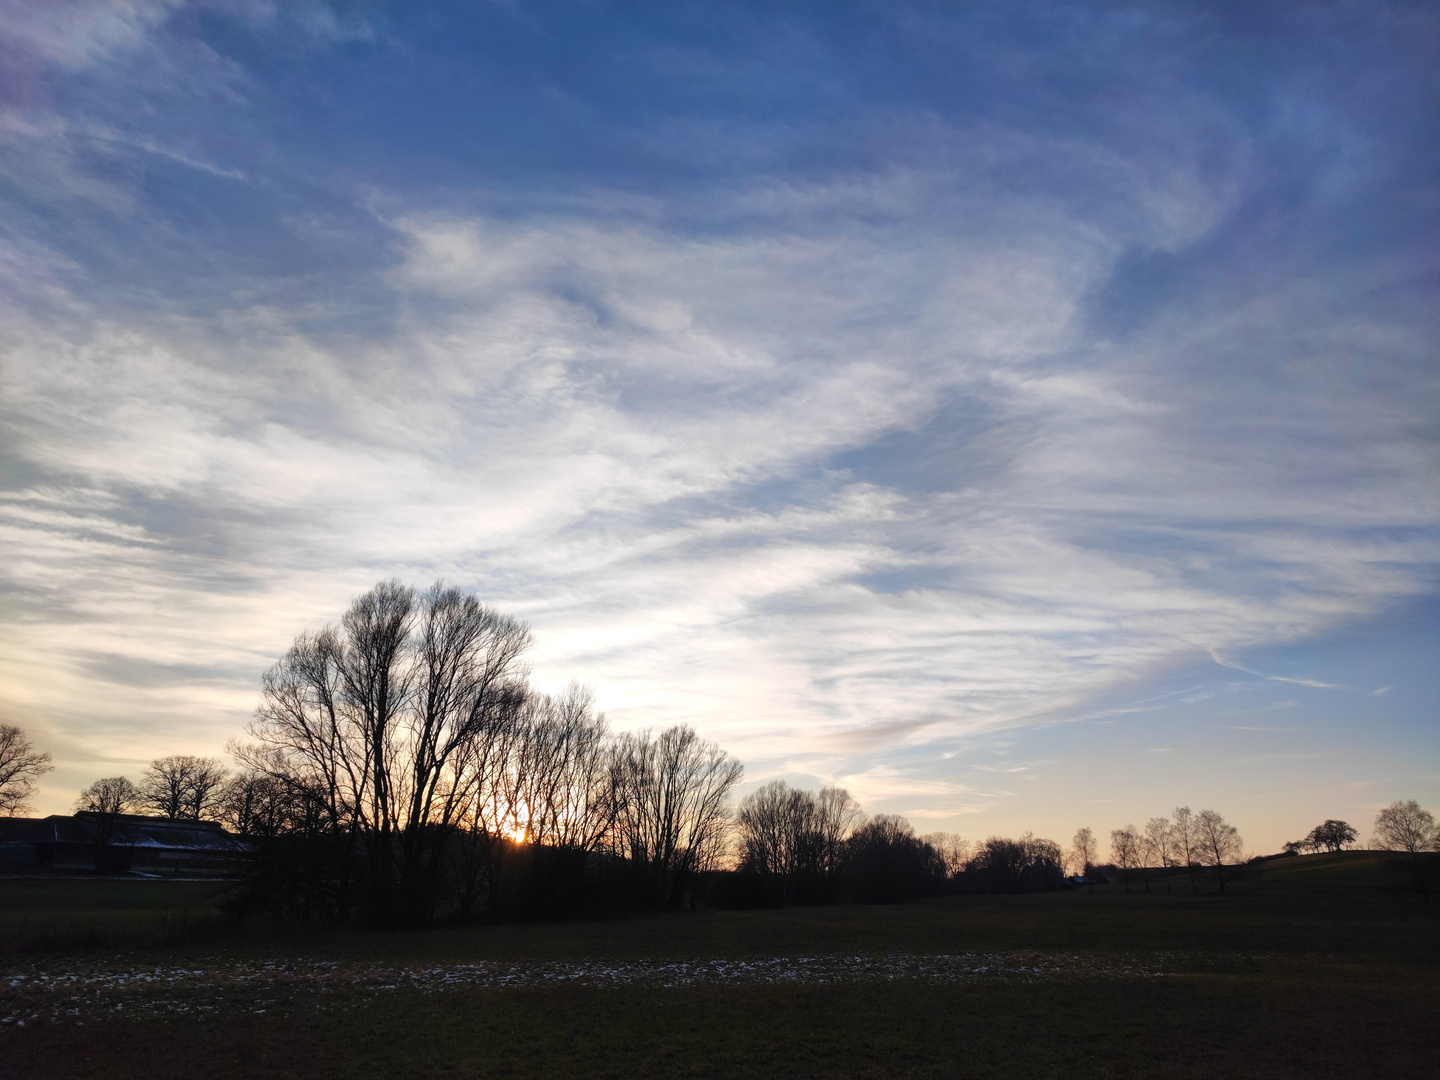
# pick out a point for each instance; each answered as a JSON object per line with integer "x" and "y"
{"x": 1320, "y": 966}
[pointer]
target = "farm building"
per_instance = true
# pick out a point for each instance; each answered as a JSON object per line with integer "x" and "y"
{"x": 118, "y": 844}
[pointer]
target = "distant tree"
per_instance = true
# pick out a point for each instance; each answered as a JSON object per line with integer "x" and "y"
{"x": 672, "y": 808}
{"x": 1219, "y": 843}
{"x": 104, "y": 804}
{"x": 1125, "y": 851}
{"x": 20, "y": 765}
{"x": 1083, "y": 850}
{"x": 1157, "y": 847}
{"x": 1029, "y": 864}
{"x": 253, "y": 804}
{"x": 1046, "y": 862}
{"x": 1405, "y": 826}
{"x": 182, "y": 786}
{"x": 887, "y": 862}
{"x": 952, "y": 852}
{"x": 112, "y": 795}
{"x": 795, "y": 839}
{"x": 1331, "y": 836}
{"x": 1186, "y": 842}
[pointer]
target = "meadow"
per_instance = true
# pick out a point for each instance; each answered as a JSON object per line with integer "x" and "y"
{"x": 1317, "y": 966}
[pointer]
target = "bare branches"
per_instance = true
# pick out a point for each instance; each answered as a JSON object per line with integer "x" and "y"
{"x": 112, "y": 795}
{"x": 671, "y": 798}
{"x": 20, "y": 765}
{"x": 182, "y": 786}
{"x": 1219, "y": 842}
{"x": 797, "y": 839}
{"x": 1083, "y": 850}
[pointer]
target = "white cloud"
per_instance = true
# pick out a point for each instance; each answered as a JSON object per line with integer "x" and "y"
{"x": 855, "y": 473}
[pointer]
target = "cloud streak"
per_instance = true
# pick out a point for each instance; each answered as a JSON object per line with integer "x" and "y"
{"x": 833, "y": 464}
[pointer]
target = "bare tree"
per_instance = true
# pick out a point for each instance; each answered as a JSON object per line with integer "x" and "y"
{"x": 182, "y": 786}
{"x": 563, "y": 796}
{"x": 1219, "y": 842}
{"x": 1186, "y": 842}
{"x": 112, "y": 795}
{"x": 1125, "y": 850}
{"x": 253, "y": 804}
{"x": 389, "y": 726}
{"x": 20, "y": 765}
{"x": 1029, "y": 864}
{"x": 1158, "y": 846}
{"x": 1083, "y": 850}
{"x": 1405, "y": 826}
{"x": 672, "y": 794}
{"x": 770, "y": 822}
{"x": 104, "y": 804}
{"x": 836, "y": 817}
{"x": 951, "y": 849}
{"x": 796, "y": 838}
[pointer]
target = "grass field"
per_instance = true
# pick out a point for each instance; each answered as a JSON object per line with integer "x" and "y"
{"x": 1321, "y": 966}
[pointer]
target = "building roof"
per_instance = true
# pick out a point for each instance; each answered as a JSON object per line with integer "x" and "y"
{"x": 128, "y": 830}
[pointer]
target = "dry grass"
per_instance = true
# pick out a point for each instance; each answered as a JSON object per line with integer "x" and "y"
{"x": 1314, "y": 967}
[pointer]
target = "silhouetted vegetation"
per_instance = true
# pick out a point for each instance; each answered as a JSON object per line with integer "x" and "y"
{"x": 20, "y": 766}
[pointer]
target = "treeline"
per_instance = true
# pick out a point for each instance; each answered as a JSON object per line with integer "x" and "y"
{"x": 401, "y": 769}
{"x": 803, "y": 847}
{"x": 401, "y": 766}
{"x": 1189, "y": 841}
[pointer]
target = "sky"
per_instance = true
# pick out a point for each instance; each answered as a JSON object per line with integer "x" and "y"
{"x": 1025, "y": 416}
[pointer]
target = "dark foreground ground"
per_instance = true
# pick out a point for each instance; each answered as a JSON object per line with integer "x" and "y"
{"x": 1322, "y": 966}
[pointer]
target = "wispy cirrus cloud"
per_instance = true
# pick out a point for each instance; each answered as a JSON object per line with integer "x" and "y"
{"x": 837, "y": 462}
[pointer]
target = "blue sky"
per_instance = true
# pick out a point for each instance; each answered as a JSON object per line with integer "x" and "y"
{"x": 1025, "y": 417}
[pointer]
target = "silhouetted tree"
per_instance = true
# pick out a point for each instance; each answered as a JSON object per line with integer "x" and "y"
{"x": 1331, "y": 835}
{"x": 1002, "y": 865}
{"x": 887, "y": 862}
{"x": 1125, "y": 852}
{"x": 20, "y": 765}
{"x": 1219, "y": 842}
{"x": 1157, "y": 847}
{"x": 672, "y": 808}
{"x": 376, "y": 722}
{"x": 794, "y": 840}
{"x": 102, "y": 808}
{"x": 1405, "y": 826}
{"x": 181, "y": 786}
{"x": 1083, "y": 850}
{"x": 1186, "y": 842}
{"x": 255, "y": 805}
{"x": 952, "y": 852}
{"x": 114, "y": 795}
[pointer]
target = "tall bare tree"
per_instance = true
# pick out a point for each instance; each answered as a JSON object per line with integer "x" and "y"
{"x": 20, "y": 765}
{"x": 1219, "y": 843}
{"x": 1125, "y": 850}
{"x": 797, "y": 838}
{"x": 1083, "y": 850}
{"x": 383, "y": 723}
{"x": 672, "y": 803}
{"x": 1158, "y": 846}
{"x": 1186, "y": 842}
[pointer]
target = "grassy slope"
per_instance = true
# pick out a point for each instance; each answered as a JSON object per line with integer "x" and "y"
{"x": 1317, "y": 966}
